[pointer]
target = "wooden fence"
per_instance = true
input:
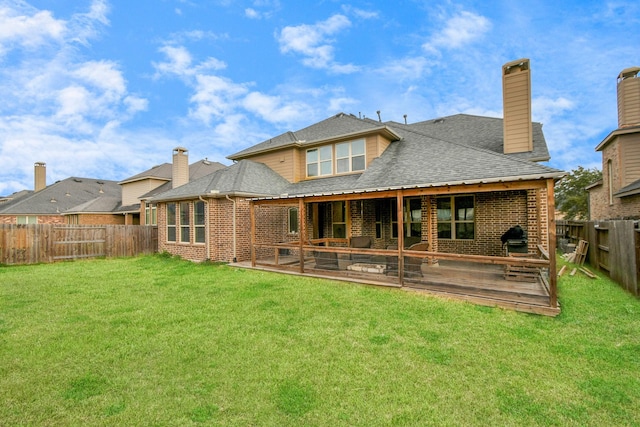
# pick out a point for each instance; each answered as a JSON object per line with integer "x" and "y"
{"x": 36, "y": 243}
{"x": 614, "y": 248}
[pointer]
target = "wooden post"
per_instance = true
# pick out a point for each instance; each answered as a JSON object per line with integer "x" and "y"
{"x": 551, "y": 219}
{"x": 252, "y": 218}
{"x": 302, "y": 231}
{"x": 400, "y": 213}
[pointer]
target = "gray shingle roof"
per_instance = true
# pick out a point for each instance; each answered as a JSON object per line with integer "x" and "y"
{"x": 480, "y": 132}
{"x": 164, "y": 171}
{"x": 243, "y": 178}
{"x": 63, "y": 195}
{"x": 629, "y": 190}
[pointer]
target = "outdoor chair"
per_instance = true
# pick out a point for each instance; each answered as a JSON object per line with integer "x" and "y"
{"x": 326, "y": 260}
{"x": 361, "y": 242}
{"x": 412, "y": 265}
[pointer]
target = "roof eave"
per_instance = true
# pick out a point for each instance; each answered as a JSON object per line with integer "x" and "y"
{"x": 615, "y": 133}
{"x": 536, "y": 177}
{"x": 383, "y": 130}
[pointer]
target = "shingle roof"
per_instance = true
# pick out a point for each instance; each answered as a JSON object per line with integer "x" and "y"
{"x": 629, "y": 190}
{"x": 333, "y": 127}
{"x": 243, "y": 178}
{"x": 97, "y": 205}
{"x": 63, "y": 195}
{"x": 164, "y": 171}
{"x": 480, "y": 132}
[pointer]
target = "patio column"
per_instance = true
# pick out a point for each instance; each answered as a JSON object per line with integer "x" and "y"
{"x": 302, "y": 229}
{"x": 551, "y": 219}
{"x": 252, "y": 240}
{"x": 400, "y": 214}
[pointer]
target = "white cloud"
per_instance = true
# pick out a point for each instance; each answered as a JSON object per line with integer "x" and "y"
{"x": 360, "y": 13}
{"x": 406, "y": 68}
{"x": 273, "y": 108}
{"x": 314, "y": 43}
{"x": 252, "y": 13}
{"x": 215, "y": 97}
{"x": 28, "y": 31}
{"x": 461, "y": 29}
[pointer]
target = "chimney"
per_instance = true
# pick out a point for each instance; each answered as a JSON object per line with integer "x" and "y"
{"x": 516, "y": 97}
{"x": 180, "y": 169}
{"x": 629, "y": 97}
{"x": 39, "y": 176}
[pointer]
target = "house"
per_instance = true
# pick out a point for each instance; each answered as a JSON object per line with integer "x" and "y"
{"x": 617, "y": 196}
{"x": 160, "y": 178}
{"x": 421, "y": 205}
{"x": 73, "y": 200}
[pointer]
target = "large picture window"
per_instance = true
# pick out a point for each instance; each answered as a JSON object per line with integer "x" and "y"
{"x": 171, "y": 222}
{"x": 184, "y": 222}
{"x": 199, "y": 221}
{"x": 456, "y": 217}
{"x": 320, "y": 161}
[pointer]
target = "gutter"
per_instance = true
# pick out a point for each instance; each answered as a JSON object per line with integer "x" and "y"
{"x": 235, "y": 259}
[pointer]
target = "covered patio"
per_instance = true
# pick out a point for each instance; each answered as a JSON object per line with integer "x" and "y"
{"x": 443, "y": 240}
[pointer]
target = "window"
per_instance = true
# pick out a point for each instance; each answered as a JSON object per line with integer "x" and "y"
{"x": 320, "y": 161}
{"x": 184, "y": 222}
{"x": 293, "y": 220}
{"x": 456, "y": 217}
{"x": 610, "y": 181}
{"x": 27, "y": 219}
{"x": 412, "y": 217}
{"x": 339, "y": 219}
{"x": 151, "y": 214}
{"x": 199, "y": 221}
{"x": 171, "y": 222}
{"x": 350, "y": 156}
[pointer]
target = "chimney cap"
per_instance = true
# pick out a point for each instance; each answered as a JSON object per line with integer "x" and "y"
{"x": 39, "y": 164}
{"x": 180, "y": 150}
{"x": 629, "y": 72}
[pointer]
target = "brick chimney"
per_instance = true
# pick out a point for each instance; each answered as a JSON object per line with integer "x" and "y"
{"x": 180, "y": 168}
{"x": 516, "y": 98}
{"x": 39, "y": 176}
{"x": 629, "y": 97}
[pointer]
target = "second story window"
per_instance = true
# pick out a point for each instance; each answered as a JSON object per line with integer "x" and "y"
{"x": 320, "y": 161}
{"x": 350, "y": 156}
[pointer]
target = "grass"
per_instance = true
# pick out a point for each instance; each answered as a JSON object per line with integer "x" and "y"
{"x": 160, "y": 341}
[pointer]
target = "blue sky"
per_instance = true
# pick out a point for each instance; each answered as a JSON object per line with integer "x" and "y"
{"x": 106, "y": 89}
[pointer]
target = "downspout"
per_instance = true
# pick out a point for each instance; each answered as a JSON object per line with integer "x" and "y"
{"x": 235, "y": 259}
{"x": 206, "y": 228}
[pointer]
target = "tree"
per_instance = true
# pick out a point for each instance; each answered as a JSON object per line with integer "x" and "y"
{"x": 572, "y": 198}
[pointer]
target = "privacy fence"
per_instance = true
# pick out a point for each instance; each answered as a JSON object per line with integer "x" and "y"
{"x": 45, "y": 243}
{"x": 614, "y": 248}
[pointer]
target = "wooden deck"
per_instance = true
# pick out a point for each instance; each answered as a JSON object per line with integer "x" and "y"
{"x": 484, "y": 284}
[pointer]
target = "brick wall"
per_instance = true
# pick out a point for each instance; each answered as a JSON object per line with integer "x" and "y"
{"x": 494, "y": 213}
{"x": 621, "y": 208}
{"x": 42, "y": 219}
{"x": 106, "y": 219}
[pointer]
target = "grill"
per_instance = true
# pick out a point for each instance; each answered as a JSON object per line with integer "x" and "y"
{"x": 515, "y": 240}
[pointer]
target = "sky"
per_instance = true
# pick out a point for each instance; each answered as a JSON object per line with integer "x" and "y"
{"x": 107, "y": 89}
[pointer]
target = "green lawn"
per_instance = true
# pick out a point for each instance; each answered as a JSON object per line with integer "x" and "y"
{"x": 160, "y": 341}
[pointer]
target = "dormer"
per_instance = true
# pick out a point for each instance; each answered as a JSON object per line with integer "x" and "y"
{"x": 340, "y": 145}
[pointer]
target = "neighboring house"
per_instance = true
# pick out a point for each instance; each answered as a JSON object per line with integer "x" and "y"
{"x": 136, "y": 189}
{"x": 70, "y": 201}
{"x": 617, "y": 196}
{"x": 452, "y": 185}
